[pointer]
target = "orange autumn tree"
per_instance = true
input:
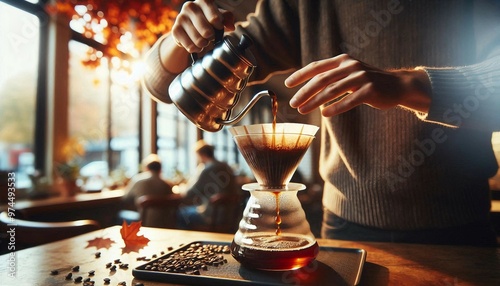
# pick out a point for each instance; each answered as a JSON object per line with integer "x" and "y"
{"x": 111, "y": 22}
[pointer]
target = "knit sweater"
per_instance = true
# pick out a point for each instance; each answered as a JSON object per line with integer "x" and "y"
{"x": 393, "y": 169}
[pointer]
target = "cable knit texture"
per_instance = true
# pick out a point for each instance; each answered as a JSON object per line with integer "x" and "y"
{"x": 156, "y": 78}
{"x": 390, "y": 169}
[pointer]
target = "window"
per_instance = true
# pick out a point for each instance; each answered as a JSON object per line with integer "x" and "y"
{"x": 104, "y": 113}
{"x": 226, "y": 150}
{"x": 19, "y": 56}
{"x": 176, "y": 137}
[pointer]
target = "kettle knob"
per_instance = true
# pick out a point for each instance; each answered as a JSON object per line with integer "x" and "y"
{"x": 245, "y": 42}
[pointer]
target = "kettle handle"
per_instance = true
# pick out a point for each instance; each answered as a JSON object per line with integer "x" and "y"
{"x": 219, "y": 35}
{"x": 247, "y": 108}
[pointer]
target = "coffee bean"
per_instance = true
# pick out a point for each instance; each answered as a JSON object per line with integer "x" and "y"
{"x": 117, "y": 261}
{"x": 75, "y": 268}
{"x": 113, "y": 268}
{"x": 97, "y": 254}
{"x": 91, "y": 272}
{"x": 191, "y": 259}
{"x": 106, "y": 280}
{"x": 78, "y": 279}
{"x": 108, "y": 265}
{"x": 69, "y": 276}
{"x": 54, "y": 272}
{"x": 86, "y": 280}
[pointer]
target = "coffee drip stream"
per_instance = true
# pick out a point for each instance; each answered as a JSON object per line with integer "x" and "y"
{"x": 274, "y": 233}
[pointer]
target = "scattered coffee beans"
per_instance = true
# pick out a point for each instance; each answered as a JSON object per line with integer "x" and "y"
{"x": 123, "y": 266}
{"x": 192, "y": 259}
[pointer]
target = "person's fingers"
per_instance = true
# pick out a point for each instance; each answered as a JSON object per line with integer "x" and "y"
{"x": 330, "y": 84}
{"x": 309, "y": 71}
{"x": 315, "y": 68}
{"x": 332, "y": 92}
{"x": 228, "y": 20}
{"x": 212, "y": 14}
{"x": 346, "y": 103}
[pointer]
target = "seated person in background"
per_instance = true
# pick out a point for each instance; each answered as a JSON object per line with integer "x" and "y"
{"x": 148, "y": 182}
{"x": 212, "y": 177}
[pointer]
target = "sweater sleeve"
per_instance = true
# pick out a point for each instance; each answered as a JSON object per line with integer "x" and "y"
{"x": 466, "y": 96}
{"x": 156, "y": 78}
{"x": 469, "y": 96}
{"x": 275, "y": 31}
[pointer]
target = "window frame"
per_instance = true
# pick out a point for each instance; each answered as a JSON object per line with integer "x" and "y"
{"x": 40, "y": 134}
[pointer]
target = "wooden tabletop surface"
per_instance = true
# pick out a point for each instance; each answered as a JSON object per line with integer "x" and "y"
{"x": 386, "y": 263}
{"x": 58, "y": 203}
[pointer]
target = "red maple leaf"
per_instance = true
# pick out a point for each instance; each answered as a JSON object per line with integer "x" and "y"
{"x": 100, "y": 242}
{"x": 130, "y": 237}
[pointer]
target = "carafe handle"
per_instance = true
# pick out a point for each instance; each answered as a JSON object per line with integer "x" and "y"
{"x": 247, "y": 108}
{"x": 219, "y": 35}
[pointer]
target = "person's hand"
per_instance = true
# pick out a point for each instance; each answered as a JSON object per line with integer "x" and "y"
{"x": 341, "y": 83}
{"x": 194, "y": 26}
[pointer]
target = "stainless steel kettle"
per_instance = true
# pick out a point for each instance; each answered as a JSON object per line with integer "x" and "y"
{"x": 208, "y": 90}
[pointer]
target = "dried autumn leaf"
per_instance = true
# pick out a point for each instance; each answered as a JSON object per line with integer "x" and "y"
{"x": 100, "y": 242}
{"x": 130, "y": 237}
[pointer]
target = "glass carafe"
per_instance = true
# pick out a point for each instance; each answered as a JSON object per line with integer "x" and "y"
{"x": 274, "y": 233}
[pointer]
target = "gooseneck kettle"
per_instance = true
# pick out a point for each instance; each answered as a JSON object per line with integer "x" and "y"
{"x": 208, "y": 90}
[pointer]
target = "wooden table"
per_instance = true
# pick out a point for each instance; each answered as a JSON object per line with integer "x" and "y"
{"x": 386, "y": 263}
{"x": 100, "y": 206}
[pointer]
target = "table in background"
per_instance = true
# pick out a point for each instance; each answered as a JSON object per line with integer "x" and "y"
{"x": 101, "y": 206}
{"x": 386, "y": 263}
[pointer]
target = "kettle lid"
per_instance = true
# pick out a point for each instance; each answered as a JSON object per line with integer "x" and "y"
{"x": 240, "y": 48}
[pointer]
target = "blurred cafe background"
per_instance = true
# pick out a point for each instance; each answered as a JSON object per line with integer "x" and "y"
{"x": 72, "y": 108}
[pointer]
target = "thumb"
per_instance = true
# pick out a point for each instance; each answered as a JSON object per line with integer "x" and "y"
{"x": 228, "y": 20}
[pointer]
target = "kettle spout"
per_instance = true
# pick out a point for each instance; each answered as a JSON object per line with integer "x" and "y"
{"x": 247, "y": 108}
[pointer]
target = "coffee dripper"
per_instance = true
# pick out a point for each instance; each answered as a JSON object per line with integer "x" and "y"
{"x": 273, "y": 233}
{"x": 208, "y": 90}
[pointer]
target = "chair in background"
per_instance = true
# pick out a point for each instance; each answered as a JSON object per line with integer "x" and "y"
{"x": 159, "y": 210}
{"x": 33, "y": 233}
{"x": 227, "y": 210}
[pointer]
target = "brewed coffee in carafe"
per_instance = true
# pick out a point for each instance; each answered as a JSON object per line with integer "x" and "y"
{"x": 274, "y": 233}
